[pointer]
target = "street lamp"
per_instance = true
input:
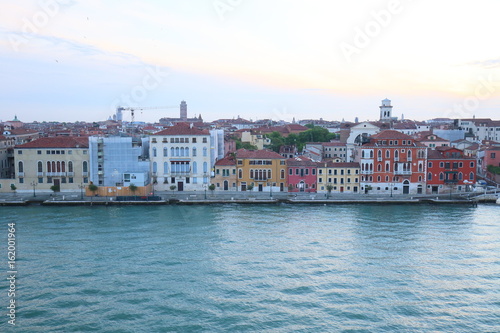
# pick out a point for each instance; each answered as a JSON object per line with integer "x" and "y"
{"x": 34, "y": 184}
{"x": 81, "y": 187}
{"x": 271, "y": 191}
{"x": 391, "y": 185}
{"x": 205, "y": 187}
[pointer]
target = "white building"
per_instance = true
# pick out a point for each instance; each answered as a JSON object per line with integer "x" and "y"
{"x": 180, "y": 157}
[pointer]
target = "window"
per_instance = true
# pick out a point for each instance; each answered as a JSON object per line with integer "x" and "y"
{"x": 471, "y": 175}
{"x": 204, "y": 140}
{"x": 20, "y": 152}
{"x": 314, "y": 171}
{"x": 165, "y": 167}
{"x": 193, "y": 141}
{"x": 441, "y": 164}
{"x": 165, "y": 151}
{"x": 204, "y": 151}
{"x": 430, "y": 164}
{"x": 240, "y": 173}
{"x": 39, "y": 152}
{"x": 20, "y": 167}
{"x": 154, "y": 151}
{"x": 205, "y": 167}
{"x": 70, "y": 166}
{"x": 471, "y": 164}
{"x": 493, "y": 155}
{"x": 441, "y": 176}
{"x": 40, "y": 166}
{"x": 155, "y": 167}
{"x": 85, "y": 166}
{"x": 40, "y": 180}
{"x": 290, "y": 171}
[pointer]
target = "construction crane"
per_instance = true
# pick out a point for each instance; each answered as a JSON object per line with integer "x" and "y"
{"x": 132, "y": 109}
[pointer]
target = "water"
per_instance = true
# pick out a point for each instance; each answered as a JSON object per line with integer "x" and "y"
{"x": 288, "y": 268}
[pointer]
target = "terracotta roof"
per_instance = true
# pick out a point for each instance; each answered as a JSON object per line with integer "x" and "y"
{"x": 332, "y": 164}
{"x": 390, "y": 134}
{"x": 58, "y": 142}
{"x": 22, "y": 131}
{"x": 334, "y": 144}
{"x": 264, "y": 153}
{"x": 226, "y": 161}
{"x": 300, "y": 161}
{"x": 182, "y": 129}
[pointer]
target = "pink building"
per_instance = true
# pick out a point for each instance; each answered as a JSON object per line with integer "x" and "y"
{"x": 301, "y": 174}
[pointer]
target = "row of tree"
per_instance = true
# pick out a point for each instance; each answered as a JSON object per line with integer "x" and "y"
{"x": 313, "y": 134}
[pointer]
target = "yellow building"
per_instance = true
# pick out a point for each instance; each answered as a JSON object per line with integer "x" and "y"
{"x": 225, "y": 174}
{"x": 343, "y": 177}
{"x": 264, "y": 169}
{"x": 59, "y": 161}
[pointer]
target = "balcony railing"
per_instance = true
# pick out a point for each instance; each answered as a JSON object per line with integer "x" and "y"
{"x": 20, "y": 174}
{"x": 55, "y": 174}
{"x": 451, "y": 181}
{"x": 401, "y": 172}
{"x": 366, "y": 172}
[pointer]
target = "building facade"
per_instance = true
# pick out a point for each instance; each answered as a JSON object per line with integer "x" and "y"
{"x": 265, "y": 170}
{"x": 301, "y": 175}
{"x": 392, "y": 162}
{"x": 180, "y": 157}
{"x": 62, "y": 162}
{"x": 449, "y": 170}
{"x": 225, "y": 174}
{"x": 343, "y": 177}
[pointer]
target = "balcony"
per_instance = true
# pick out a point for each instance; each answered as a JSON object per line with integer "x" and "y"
{"x": 55, "y": 174}
{"x": 180, "y": 174}
{"x": 20, "y": 174}
{"x": 366, "y": 172}
{"x": 402, "y": 172}
{"x": 451, "y": 181}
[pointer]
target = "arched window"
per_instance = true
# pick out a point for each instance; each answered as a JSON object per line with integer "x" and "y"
{"x": 204, "y": 151}
{"x": 40, "y": 167}
{"x": 282, "y": 173}
{"x": 186, "y": 151}
{"x": 63, "y": 166}
{"x": 155, "y": 167}
{"x": 379, "y": 154}
{"x": 409, "y": 155}
{"x": 58, "y": 166}
{"x": 396, "y": 154}
{"x": 371, "y": 153}
{"x": 194, "y": 151}
{"x": 205, "y": 167}
{"x": 165, "y": 167}
{"x": 387, "y": 167}
{"x": 240, "y": 173}
{"x": 154, "y": 151}
{"x": 471, "y": 175}
{"x": 49, "y": 167}
{"x": 251, "y": 173}
{"x": 165, "y": 151}
{"x": 85, "y": 166}
{"x": 268, "y": 174}
{"x": 70, "y": 166}
{"x": 379, "y": 167}
{"x": 54, "y": 166}
{"x": 182, "y": 151}
{"x": 441, "y": 176}
{"x": 172, "y": 151}
{"x": 379, "y": 178}
{"x": 195, "y": 167}
{"x": 177, "y": 151}
{"x": 387, "y": 153}
{"x": 20, "y": 167}
{"x": 460, "y": 176}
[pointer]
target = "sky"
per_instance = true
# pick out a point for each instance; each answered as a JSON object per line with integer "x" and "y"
{"x": 71, "y": 60}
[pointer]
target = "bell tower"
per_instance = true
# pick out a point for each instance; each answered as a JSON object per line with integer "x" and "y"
{"x": 386, "y": 110}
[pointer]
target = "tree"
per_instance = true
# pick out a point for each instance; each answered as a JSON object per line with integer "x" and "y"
{"x": 132, "y": 188}
{"x": 329, "y": 188}
{"x": 13, "y": 187}
{"x": 93, "y": 188}
{"x": 172, "y": 188}
{"x": 55, "y": 188}
{"x": 212, "y": 188}
{"x": 244, "y": 145}
{"x": 250, "y": 187}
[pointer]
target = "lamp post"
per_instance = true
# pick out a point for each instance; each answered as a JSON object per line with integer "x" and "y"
{"x": 34, "y": 184}
{"x": 391, "y": 185}
{"x": 205, "y": 188}
{"x": 81, "y": 187}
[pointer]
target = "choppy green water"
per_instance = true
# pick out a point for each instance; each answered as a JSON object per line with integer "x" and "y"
{"x": 352, "y": 268}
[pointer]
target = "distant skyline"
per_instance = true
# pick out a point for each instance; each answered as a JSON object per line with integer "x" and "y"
{"x": 70, "y": 60}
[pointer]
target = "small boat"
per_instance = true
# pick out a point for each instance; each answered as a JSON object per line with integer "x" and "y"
{"x": 498, "y": 201}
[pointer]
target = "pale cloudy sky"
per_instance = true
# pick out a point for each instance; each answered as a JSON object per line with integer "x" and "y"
{"x": 71, "y": 60}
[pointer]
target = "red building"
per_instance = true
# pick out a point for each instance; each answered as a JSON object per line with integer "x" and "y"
{"x": 301, "y": 174}
{"x": 392, "y": 162}
{"x": 449, "y": 170}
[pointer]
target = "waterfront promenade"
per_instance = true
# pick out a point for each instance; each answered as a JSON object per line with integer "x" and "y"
{"x": 217, "y": 197}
